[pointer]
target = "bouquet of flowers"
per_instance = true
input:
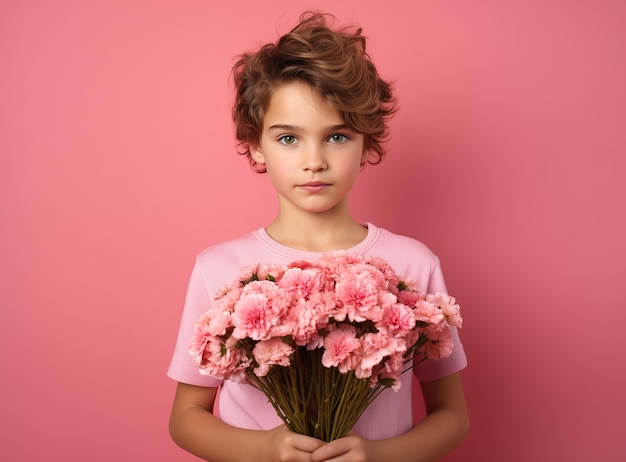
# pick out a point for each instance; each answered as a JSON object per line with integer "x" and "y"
{"x": 322, "y": 339}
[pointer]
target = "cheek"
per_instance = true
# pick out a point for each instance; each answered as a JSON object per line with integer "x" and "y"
{"x": 350, "y": 171}
{"x": 355, "y": 163}
{"x": 277, "y": 171}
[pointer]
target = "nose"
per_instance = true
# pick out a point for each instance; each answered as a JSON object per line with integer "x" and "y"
{"x": 314, "y": 158}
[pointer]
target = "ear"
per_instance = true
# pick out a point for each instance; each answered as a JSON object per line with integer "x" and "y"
{"x": 257, "y": 154}
{"x": 364, "y": 157}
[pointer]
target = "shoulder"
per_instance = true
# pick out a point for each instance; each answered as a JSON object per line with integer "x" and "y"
{"x": 409, "y": 257}
{"x": 228, "y": 249}
{"x": 224, "y": 260}
{"x": 393, "y": 243}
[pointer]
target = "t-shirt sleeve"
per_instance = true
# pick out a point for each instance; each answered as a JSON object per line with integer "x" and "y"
{"x": 182, "y": 367}
{"x": 439, "y": 368}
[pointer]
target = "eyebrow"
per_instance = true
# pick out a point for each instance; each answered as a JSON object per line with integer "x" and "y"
{"x": 296, "y": 128}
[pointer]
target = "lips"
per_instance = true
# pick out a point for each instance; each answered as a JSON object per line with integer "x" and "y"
{"x": 314, "y": 186}
{"x": 315, "y": 183}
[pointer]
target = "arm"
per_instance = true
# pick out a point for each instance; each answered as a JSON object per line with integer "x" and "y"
{"x": 194, "y": 428}
{"x": 444, "y": 428}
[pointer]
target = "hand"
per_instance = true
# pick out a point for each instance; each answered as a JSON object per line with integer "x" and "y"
{"x": 283, "y": 445}
{"x": 351, "y": 448}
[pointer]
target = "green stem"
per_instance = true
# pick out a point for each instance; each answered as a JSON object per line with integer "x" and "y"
{"x": 314, "y": 400}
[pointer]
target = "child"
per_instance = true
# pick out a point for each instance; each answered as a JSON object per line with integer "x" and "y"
{"x": 311, "y": 111}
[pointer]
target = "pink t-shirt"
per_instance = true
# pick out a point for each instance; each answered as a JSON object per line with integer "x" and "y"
{"x": 246, "y": 407}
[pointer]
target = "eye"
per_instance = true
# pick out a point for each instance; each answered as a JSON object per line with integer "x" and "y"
{"x": 288, "y": 139}
{"x": 338, "y": 138}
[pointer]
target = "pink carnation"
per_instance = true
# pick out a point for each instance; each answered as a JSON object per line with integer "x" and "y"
{"x": 259, "y": 309}
{"x": 302, "y": 264}
{"x": 439, "y": 344}
{"x": 429, "y": 313}
{"x": 448, "y": 306}
{"x": 227, "y": 297}
{"x": 271, "y": 352}
{"x": 409, "y": 295}
{"x": 214, "y": 358}
{"x": 270, "y": 271}
{"x": 216, "y": 321}
{"x": 339, "y": 345}
{"x": 374, "y": 348}
{"x": 387, "y": 271}
{"x": 338, "y": 260}
{"x": 200, "y": 339}
{"x": 301, "y": 283}
{"x": 309, "y": 316}
{"x": 335, "y": 263}
{"x": 246, "y": 274}
{"x": 357, "y": 290}
{"x": 398, "y": 318}
{"x": 391, "y": 369}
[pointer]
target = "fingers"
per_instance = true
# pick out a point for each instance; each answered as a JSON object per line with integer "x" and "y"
{"x": 285, "y": 445}
{"x": 352, "y": 447}
{"x": 329, "y": 451}
{"x": 306, "y": 443}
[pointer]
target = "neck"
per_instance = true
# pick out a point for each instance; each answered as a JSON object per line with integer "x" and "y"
{"x": 317, "y": 232}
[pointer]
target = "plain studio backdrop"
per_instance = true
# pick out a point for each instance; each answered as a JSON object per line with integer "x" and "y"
{"x": 118, "y": 165}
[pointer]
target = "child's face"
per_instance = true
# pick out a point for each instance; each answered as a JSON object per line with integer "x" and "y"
{"x": 312, "y": 158}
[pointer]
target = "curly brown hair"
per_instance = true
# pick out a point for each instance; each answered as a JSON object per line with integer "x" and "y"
{"x": 333, "y": 62}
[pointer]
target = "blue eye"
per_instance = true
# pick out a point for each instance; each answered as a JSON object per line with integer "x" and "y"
{"x": 287, "y": 139}
{"x": 338, "y": 138}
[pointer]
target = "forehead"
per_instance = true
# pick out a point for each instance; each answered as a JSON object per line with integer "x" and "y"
{"x": 297, "y": 103}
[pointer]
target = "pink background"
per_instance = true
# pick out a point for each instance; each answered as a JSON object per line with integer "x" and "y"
{"x": 117, "y": 166}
